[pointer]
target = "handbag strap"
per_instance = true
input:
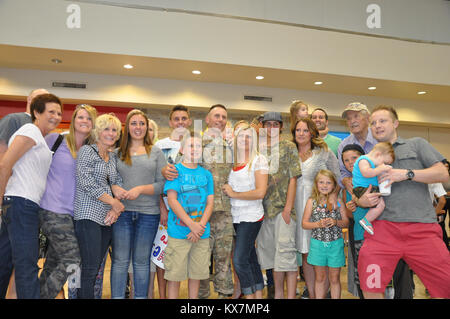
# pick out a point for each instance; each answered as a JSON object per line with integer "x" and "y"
{"x": 57, "y": 143}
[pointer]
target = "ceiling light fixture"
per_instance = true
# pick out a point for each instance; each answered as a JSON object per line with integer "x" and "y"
{"x": 318, "y": 83}
{"x": 372, "y": 88}
{"x": 127, "y": 66}
{"x": 421, "y": 92}
{"x": 196, "y": 72}
{"x": 259, "y": 77}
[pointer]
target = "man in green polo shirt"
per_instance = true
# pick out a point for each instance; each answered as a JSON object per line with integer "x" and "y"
{"x": 320, "y": 118}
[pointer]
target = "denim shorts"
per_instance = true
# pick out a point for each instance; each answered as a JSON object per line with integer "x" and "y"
{"x": 329, "y": 254}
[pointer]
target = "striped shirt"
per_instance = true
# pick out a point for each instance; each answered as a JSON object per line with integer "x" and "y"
{"x": 94, "y": 178}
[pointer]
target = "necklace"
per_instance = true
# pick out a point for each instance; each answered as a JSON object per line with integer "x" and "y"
{"x": 305, "y": 155}
{"x": 134, "y": 151}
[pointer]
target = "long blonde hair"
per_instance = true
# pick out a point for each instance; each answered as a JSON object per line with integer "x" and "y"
{"x": 125, "y": 144}
{"x": 316, "y": 195}
{"x": 155, "y": 130}
{"x": 70, "y": 138}
{"x": 254, "y": 147}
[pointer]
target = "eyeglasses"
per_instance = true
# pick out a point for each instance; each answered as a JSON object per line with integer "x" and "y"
{"x": 272, "y": 124}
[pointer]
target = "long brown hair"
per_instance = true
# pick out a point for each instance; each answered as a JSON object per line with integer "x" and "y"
{"x": 125, "y": 144}
{"x": 316, "y": 140}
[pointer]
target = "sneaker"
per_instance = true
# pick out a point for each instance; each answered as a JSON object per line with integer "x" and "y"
{"x": 305, "y": 294}
{"x": 366, "y": 225}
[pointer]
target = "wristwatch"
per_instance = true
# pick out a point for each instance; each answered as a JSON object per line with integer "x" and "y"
{"x": 410, "y": 174}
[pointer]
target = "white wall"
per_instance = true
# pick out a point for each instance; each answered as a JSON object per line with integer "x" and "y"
{"x": 216, "y": 39}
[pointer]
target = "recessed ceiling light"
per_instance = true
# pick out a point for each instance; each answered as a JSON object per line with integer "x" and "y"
{"x": 127, "y": 66}
{"x": 259, "y": 77}
{"x": 421, "y": 92}
{"x": 372, "y": 88}
{"x": 56, "y": 61}
{"x": 196, "y": 72}
{"x": 318, "y": 83}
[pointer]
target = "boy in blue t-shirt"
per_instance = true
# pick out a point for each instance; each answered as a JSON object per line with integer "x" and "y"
{"x": 191, "y": 198}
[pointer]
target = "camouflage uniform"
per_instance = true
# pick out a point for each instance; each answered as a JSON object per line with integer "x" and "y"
{"x": 283, "y": 165}
{"x": 218, "y": 158}
{"x": 276, "y": 239}
{"x": 63, "y": 254}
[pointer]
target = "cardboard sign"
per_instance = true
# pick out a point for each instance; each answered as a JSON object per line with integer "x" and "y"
{"x": 159, "y": 246}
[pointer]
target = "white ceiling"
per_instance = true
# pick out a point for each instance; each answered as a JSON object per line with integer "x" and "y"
{"x": 100, "y": 63}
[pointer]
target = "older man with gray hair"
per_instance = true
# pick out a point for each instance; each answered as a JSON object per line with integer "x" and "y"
{"x": 357, "y": 116}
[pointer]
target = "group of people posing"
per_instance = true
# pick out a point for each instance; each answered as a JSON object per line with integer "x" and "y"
{"x": 249, "y": 198}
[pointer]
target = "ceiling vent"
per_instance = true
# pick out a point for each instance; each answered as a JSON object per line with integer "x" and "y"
{"x": 71, "y": 85}
{"x": 257, "y": 98}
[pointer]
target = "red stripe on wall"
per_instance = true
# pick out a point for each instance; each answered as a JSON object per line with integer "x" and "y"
{"x": 7, "y": 106}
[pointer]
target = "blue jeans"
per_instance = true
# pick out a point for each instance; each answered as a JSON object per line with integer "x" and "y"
{"x": 245, "y": 260}
{"x": 132, "y": 239}
{"x": 93, "y": 240}
{"x": 19, "y": 243}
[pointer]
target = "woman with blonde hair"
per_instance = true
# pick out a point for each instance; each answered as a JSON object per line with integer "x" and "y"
{"x": 139, "y": 165}
{"x": 247, "y": 186}
{"x": 314, "y": 155}
{"x": 96, "y": 205}
{"x": 56, "y": 213}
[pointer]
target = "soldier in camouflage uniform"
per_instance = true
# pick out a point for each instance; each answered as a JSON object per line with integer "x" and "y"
{"x": 218, "y": 159}
{"x": 276, "y": 239}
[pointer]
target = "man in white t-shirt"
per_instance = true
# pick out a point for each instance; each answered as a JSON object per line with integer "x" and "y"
{"x": 179, "y": 122}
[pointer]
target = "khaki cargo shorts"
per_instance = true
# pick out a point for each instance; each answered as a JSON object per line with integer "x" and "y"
{"x": 187, "y": 260}
{"x": 275, "y": 244}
